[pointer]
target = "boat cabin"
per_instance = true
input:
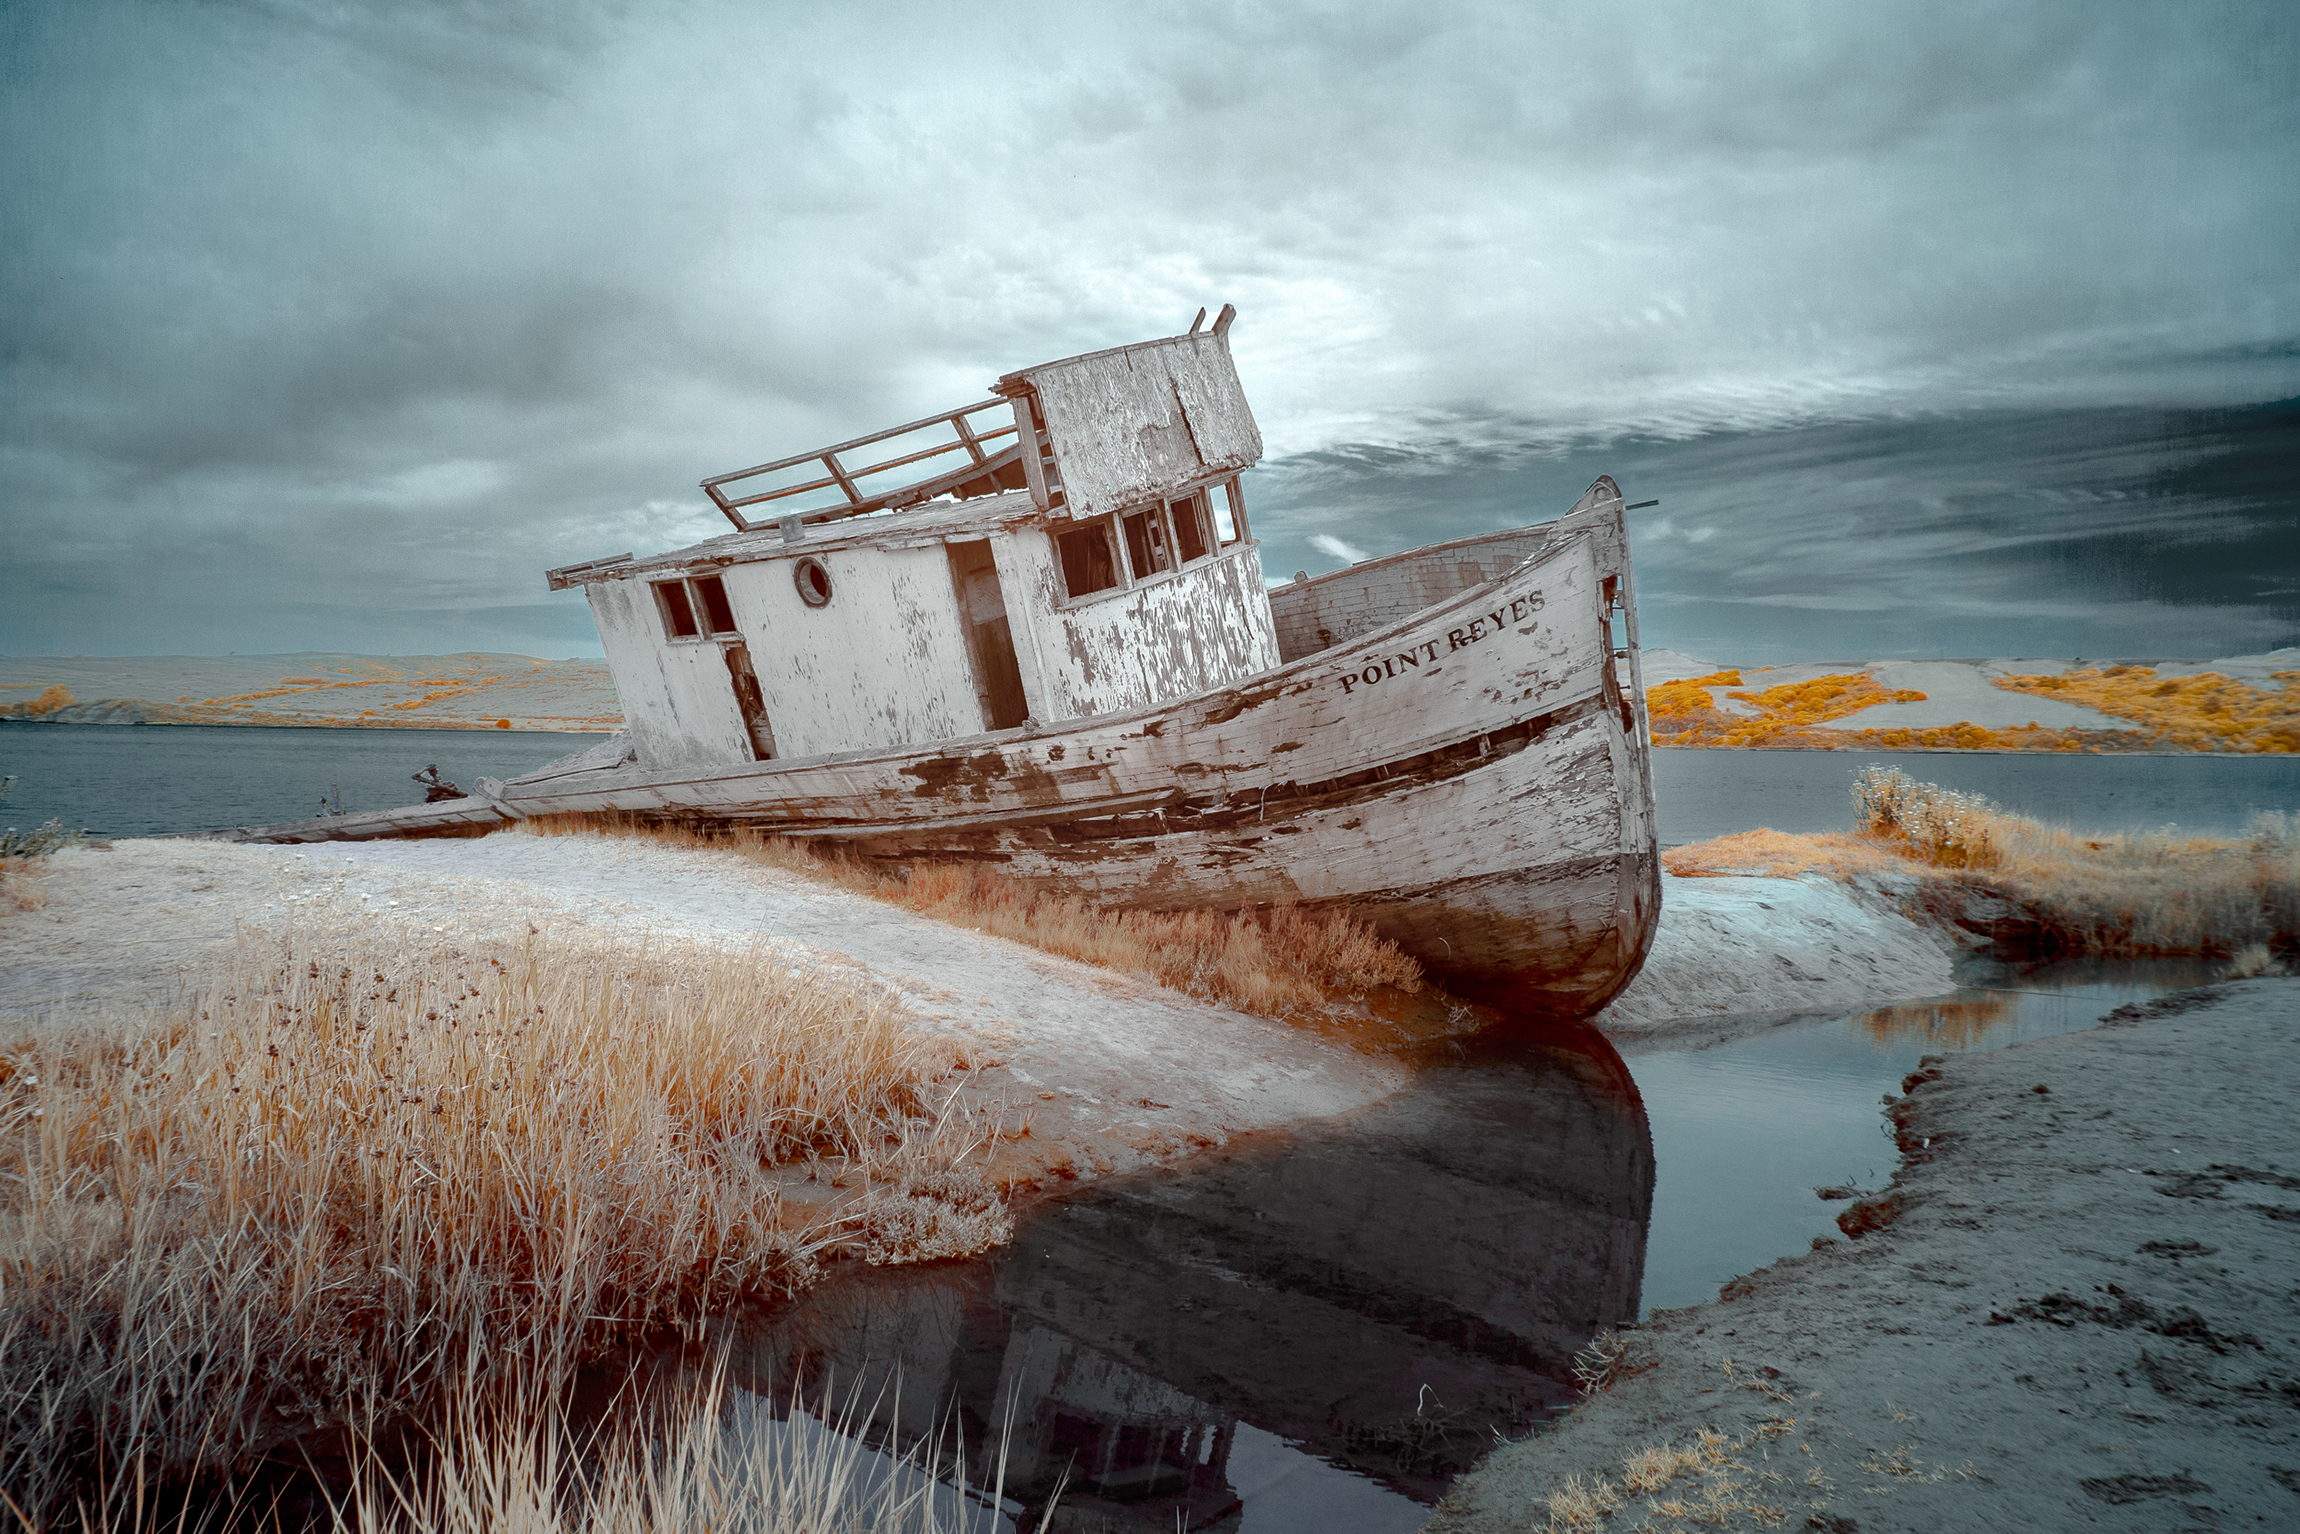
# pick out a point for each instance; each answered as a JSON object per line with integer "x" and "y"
{"x": 1074, "y": 545}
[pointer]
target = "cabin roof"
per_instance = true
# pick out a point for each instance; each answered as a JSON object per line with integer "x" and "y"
{"x": 1021, "y": 378}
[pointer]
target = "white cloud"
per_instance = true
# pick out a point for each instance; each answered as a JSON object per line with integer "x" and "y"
{"x": 1327, "y": 543}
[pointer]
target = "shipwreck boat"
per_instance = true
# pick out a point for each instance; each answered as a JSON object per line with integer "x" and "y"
{"x": 1055, "y": 653}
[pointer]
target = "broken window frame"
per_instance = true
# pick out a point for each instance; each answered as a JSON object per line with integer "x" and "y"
{"x": 1149, "y": 541}
{"x": 1188, "y": 516}
{"x": 691, "y": 597}
{"x": 1113, "y": 526}
{"x": 1235, "y": 498}
{"x": 1112, "y": 550}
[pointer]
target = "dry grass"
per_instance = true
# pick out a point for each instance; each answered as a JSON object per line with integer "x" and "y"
{"x": 1775, "y": 1474}
{"x": 332, "y": 1181}
{"x": 1708, "y": 1456}
{"x": 1656, "y": 1465}
{"x": 1578, "y": 1509}
{"x": 2252, "y": 961}
{"x": 19, "y": 847}
{"x": 2146, "y": 893}
{"x": 1710, "y": 1480}
{"x": 1933, "y": 824}
{"x": 1606, "y": 1361}
{"x": 1779, "y": 855}
{"x": 20, "y": 855}
{"x": 706, "y": 1463}
{"x": 2142, "y": 893}
{"x": 2208, "y": 712}
{"x": 55, "y": 697}
{"x": 1686, "y": 713}
{"x": 1276, "y": 963}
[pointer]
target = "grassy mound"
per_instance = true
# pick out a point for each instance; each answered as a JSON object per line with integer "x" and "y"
{"x": 335, "y": 1182}
{"x": 2050, "y": 889}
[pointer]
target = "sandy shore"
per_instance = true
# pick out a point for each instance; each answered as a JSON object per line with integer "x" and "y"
{"x": 1738, "y": 953}
{"x": 2082, "y": 1317}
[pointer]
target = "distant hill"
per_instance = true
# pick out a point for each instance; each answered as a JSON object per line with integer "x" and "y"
{"x": 469, "y": 691}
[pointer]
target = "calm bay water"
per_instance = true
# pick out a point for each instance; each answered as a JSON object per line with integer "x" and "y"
{"x": 1744, "y": 1132}
{"x": 129, "y": 780}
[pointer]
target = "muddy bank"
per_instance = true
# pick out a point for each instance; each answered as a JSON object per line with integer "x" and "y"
{"x": 2074, "y": 1311}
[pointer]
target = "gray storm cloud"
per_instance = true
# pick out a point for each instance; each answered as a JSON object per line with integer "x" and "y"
{"x": 330, "y": 325}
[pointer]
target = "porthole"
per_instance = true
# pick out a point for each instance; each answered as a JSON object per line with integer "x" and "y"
{"x": 813, "y": 580}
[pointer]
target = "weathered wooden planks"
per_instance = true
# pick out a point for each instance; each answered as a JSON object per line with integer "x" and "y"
{"x": 1137, "y": 423}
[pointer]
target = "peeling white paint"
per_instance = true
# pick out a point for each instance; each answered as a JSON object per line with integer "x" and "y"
{"x": 885, "y": 662}
{"x": 1145, "y": 422}
{"x": 1316, "y": 614}
{"x": 677, "y": 698}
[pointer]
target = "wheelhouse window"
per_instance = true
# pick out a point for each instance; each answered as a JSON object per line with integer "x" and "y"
{"x": 1229, "y": 509}
{"x": 1146, "y": 546}
{"x": 692, "y": 608}
{"x": 678, "y": 612}
{"x": 1086, "y": 563}
{"x": 1189, "y": 527}
{"x": 1119, "y": 552}
{"x": 711, "y": 592}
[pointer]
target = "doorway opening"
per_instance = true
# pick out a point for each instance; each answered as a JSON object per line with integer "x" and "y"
{"x": 751, "y": 701}
{"x": 989, "y": 639}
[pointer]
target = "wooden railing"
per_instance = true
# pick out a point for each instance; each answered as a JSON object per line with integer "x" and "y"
{"x": 983, "y": 470}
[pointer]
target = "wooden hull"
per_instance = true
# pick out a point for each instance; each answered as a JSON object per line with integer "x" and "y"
{"x": 1472, "y": 780}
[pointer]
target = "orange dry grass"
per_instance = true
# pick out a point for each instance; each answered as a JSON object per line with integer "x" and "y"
{"x": 1972, "y": 737}
{"x": 2195, "y": 713}
{"x": 1276, "y": 963}
{"x": 334, "y": 1181}
{"x": 1273, "y": 963}
{"x": 56, "y": 696}
{"x": 1685, "y": 713}
{"x": 2141, "y": 893}
{"x": 1824, "y": 697}
{"x": 1778, "y": 855}
{"x": 2199, "y": 713}
{"x": 1674, "y": 705}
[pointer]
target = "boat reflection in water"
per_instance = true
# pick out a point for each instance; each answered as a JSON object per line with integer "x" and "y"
{"x": 1354, "y": 1308}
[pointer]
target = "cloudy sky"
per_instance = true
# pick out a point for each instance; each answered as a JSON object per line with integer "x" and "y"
{"x": 1939, "y": 329}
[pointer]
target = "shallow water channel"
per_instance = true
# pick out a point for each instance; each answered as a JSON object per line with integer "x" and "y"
{"x": 1316, "y": 1331}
